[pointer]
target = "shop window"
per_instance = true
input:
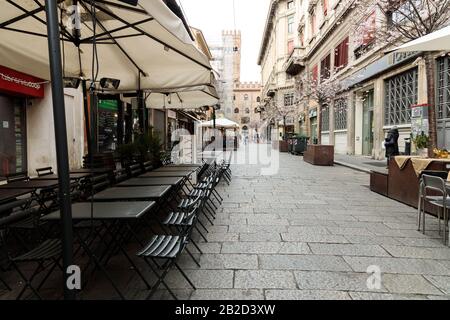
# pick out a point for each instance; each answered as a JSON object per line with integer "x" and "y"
{"x": 340, "y": 114}
{"x": 400, "y": 95}
{"x": 325, "y": 68}
{"x": 13, "y": 149}
{"x": 325, "y": 118}
{"x": 288, "y": 99}
{"x": 341, "y": 55}
{"x": 443, "y": 88}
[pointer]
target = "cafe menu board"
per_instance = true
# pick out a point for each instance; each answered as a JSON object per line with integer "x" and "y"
{"x": 107, "y": 125}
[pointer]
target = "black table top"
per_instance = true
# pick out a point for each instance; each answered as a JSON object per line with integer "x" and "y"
{"x": 11, "y": 194}
{"x": 31, "y": 185}
{"x": 132, "y": 193}
{"x": 164, "y": 174}
{"x": 139, "y": 182}
{"x": 106, "y": 210}
{"x": 193, "y": 165}
{"x": 73, "y": 176}
{"x": 94, "y": 170}
{"x": 176, "y": 169}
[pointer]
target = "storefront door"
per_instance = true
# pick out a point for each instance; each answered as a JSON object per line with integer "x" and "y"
{"x": 368, "y": 128}
{"x": 12, "y": 133}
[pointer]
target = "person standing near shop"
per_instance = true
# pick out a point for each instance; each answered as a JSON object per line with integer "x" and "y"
{"x": 391, "y": 144}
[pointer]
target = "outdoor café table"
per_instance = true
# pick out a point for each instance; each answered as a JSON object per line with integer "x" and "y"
{"x": 186, "y": 175}
{"x": 45, "y": 187}
{"x": 176, "y": 183}
{"x": 159, "y": 194}
{"x": 7, "y": 195}
{"x": 139, "y": 182}
{"x": 114, "y": 217}
{"x": 73, "y": 176}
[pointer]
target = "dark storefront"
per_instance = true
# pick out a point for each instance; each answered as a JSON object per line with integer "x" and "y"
{"x": 15, "y": 89}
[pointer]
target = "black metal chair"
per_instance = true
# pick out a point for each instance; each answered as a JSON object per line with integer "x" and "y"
{"x": 44, "y": 171}
{"x": 169, "y": 248}
{"x": 46, "y": 255}
{"x": 135, "y": 170}
{"x": 120, "y": 175}
{"x": 147, "y": 166}
{"x": 19, "y": 176}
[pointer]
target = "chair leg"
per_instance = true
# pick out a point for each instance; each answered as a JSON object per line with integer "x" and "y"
{"x": 423, "y": 216}
{"x": 419, "y": 209}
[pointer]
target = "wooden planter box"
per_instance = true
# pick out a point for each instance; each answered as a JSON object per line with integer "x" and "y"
{"x": 319, "y": 155}
{"x": 284, "y": 147}
{"x": 379, "y": 182}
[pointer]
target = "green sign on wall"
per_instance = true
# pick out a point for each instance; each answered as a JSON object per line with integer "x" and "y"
{"x": 111, "y": 105}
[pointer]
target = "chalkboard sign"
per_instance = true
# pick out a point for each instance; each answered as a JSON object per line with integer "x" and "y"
{"x": 107, "y": 125}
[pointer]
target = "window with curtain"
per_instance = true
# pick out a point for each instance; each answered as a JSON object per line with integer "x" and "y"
{"x": 315, "y": 73}
{"x": 325, "y": 70}
{"x": 290, "y": 46}
{"x": 325, "y": 7}
{"x": 341, "y": 55}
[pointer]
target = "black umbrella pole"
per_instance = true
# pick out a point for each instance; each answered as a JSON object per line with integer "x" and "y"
{"x": 60, "y": 138}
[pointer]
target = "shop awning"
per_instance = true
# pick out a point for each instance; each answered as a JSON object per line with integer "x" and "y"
{"x": 147, "y": 40}
{"x": 183, "y": 98}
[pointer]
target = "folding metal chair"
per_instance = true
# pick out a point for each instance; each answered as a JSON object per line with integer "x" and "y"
{"x": 442, "y": 201}
{"x": 169, "y": 248}
{"x": 19, "y": 176}
{"x": 48, "y": 251}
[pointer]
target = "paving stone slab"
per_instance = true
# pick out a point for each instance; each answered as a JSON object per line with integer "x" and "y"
{"x": 264, "y": 279}
{"x": 306, "y": 295}
{"x": 348, "y": 250}
{"x": 340, "y": 281}
{"x": 302, "y": 262}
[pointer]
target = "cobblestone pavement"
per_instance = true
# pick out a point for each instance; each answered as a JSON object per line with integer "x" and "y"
{"x": 311, "y": 233}
{"x": 304, "y": 233}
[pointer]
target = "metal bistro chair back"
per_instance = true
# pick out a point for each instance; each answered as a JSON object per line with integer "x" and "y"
{"x": 438, "y": 198}
{"x": 46, "y": 255}
{"x": 147, "y": 166}
{"x": 44, "y": 171}
{"x": 19, "y": 176}
{"x": 135, "y": 170}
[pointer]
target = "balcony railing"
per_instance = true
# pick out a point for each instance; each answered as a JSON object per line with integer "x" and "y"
{"x": 295, "y": 62}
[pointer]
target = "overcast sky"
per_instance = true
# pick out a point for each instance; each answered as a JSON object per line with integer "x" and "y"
{"x": 213, "y": 16}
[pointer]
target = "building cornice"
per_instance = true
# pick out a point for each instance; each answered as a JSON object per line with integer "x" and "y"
{"x": 267, "y": 30}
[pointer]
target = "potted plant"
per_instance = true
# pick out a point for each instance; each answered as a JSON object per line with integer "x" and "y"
{"x": 421, "y": 141}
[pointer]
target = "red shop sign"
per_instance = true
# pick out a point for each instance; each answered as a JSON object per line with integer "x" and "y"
{"x": 18, "y": 83}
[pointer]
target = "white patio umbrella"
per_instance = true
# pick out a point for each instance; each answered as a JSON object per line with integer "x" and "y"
{"x": 183, "y": 98}
{"x": 145, "y": 46}
{"x": 436, "y": 41}
{"x": 220, "y": 123}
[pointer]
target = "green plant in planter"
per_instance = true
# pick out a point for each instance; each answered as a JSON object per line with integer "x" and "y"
{"x": 149, "y": 146}
{"x": 127, "y": 152}
{"x": 421, "y": 141}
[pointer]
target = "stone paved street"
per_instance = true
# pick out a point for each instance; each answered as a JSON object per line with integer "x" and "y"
{"x": 311, "y": 233}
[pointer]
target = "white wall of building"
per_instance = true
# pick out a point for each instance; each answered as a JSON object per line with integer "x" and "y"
{"x": 41, "y": 150}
